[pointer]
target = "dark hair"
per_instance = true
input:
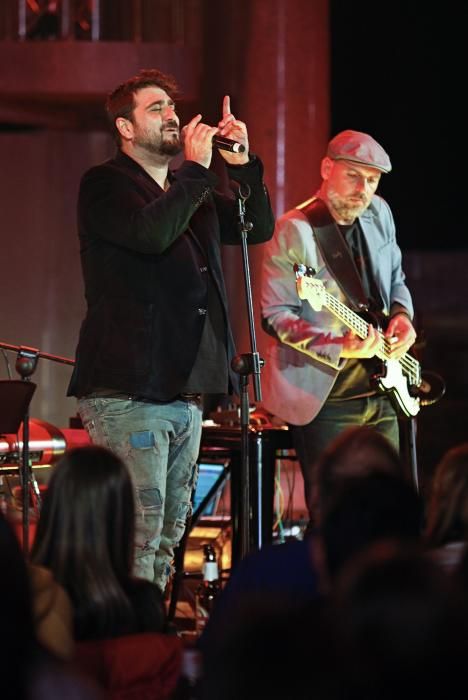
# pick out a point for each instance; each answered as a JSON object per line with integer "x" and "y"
{"x": 85, "y": 535}
{"x": 447, "y": 513}
{"x": 121, "y": 101}
{"x": 357, "y": 451}
{"x": 366, "y": 509}
{"x": 402, "y": 625}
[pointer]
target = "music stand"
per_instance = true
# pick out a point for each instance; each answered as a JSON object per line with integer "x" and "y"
{"x": 15, "y": 397}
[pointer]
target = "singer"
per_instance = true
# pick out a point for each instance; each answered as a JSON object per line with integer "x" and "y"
{"x": 156, "y": 335}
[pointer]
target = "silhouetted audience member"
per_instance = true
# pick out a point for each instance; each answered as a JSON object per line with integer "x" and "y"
{"x": 401, "y": 626}
{"x": 273, "y": 651}
{"x": 367, "y": 509}
{"x": 365, "y": 497}
{"x": 357, "y": 451}
{"x": 447, "y": 510}
{"x": 28, "y": 671}
{"x": 85, "y": 536}
{"x": 294, "y": 568}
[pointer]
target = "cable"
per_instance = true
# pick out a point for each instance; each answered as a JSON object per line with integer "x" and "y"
{"x": 279, "y": 502}
{"x": 7, "y": 362}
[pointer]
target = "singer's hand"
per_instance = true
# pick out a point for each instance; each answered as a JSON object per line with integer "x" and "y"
{"x": 236, "y": 130}
{"x": 198, "y": 141}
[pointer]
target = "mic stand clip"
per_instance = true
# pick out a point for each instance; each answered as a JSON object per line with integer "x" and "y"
{"x": 26, "y": 364}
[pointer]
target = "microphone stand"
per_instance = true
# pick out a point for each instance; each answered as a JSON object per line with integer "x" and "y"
{"x": 26, "y": 364}
{"x": 246, "y": 365}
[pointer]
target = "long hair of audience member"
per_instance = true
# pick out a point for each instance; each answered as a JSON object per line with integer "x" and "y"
{"x": 85, "y": 535}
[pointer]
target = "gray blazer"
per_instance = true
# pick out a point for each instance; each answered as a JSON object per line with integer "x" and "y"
{"x": 303, "y": 361}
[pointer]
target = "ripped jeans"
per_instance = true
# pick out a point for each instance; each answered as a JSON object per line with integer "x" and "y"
{"x": 159, "y": 442}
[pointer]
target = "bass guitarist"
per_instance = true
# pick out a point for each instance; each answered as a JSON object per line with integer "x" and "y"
{"x": 318, "y": 373}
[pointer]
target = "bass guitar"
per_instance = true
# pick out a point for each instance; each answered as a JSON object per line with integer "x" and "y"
{"x": 401, "y": 378}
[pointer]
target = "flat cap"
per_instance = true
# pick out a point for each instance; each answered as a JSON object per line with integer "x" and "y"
{"x": 359, "y": 148}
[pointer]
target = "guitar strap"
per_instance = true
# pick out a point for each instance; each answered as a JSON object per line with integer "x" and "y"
{"x": 336, "y": 253}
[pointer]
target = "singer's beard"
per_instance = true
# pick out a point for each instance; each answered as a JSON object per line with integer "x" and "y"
{"x": 170, "y": 147}
{"x": 167, "y": 144}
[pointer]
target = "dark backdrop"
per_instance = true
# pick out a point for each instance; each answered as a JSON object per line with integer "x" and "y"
{"x": 398, "y": 71}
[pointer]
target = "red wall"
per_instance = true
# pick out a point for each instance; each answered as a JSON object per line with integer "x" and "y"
{"x": 270, "y": 55}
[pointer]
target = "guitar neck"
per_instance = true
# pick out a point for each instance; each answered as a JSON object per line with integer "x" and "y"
{"x": 314, "y": 291}
{"x": 355, "y": 323}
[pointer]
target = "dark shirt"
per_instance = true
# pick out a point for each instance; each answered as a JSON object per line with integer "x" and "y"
{"x": 353, "y": 380}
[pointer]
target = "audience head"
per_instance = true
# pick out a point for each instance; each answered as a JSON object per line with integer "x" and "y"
{"x": 242, "y": 664}
{"x": 401, "y": 626}
{"x": 447, "y": 512}
{"x": 85, "y": 533}
{"x": 357, "y": 451}
{"x": 89, "y": 504}
{"x": 367, "y": 509}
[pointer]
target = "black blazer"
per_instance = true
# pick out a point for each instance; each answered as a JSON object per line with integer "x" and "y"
{"x": 143, "y": 251}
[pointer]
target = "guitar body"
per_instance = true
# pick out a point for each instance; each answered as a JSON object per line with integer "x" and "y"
{"x": 390, "y": 377}
{"x": 393, "y": 382}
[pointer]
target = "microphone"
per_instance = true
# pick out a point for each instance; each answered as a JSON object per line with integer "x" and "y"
{"x": 228, "y": 144}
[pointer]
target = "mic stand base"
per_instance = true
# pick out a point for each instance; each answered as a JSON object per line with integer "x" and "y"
{"x": 246, "y": 365}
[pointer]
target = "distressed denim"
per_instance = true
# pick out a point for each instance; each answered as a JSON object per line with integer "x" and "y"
{"x": 160, "y": 445}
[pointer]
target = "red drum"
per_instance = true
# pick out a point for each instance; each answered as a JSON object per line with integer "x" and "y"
{"x": 46, "y": 444}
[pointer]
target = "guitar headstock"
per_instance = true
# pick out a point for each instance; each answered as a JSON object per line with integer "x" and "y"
{"x": 303, "y": 270}
{"x": 308, "y": 287}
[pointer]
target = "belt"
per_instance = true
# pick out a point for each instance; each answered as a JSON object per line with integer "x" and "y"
{"x": 189, "y": 397}
{"x": 110, "y": 394}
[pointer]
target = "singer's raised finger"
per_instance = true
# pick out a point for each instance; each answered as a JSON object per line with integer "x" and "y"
{"x": 188, "y": 129}
{"x": 226, "y": 106}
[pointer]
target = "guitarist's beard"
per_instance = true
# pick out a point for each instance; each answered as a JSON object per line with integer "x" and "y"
{"x": 346, "y": 209}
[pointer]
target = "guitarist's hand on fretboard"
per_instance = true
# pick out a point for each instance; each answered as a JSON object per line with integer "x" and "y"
{"x": 400, "y": 336}
{"x": 354, "y": 347}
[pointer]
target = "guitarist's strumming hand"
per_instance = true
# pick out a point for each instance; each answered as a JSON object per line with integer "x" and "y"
{"x": 400, "y": 334}
{"x": 354, "y": 347}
